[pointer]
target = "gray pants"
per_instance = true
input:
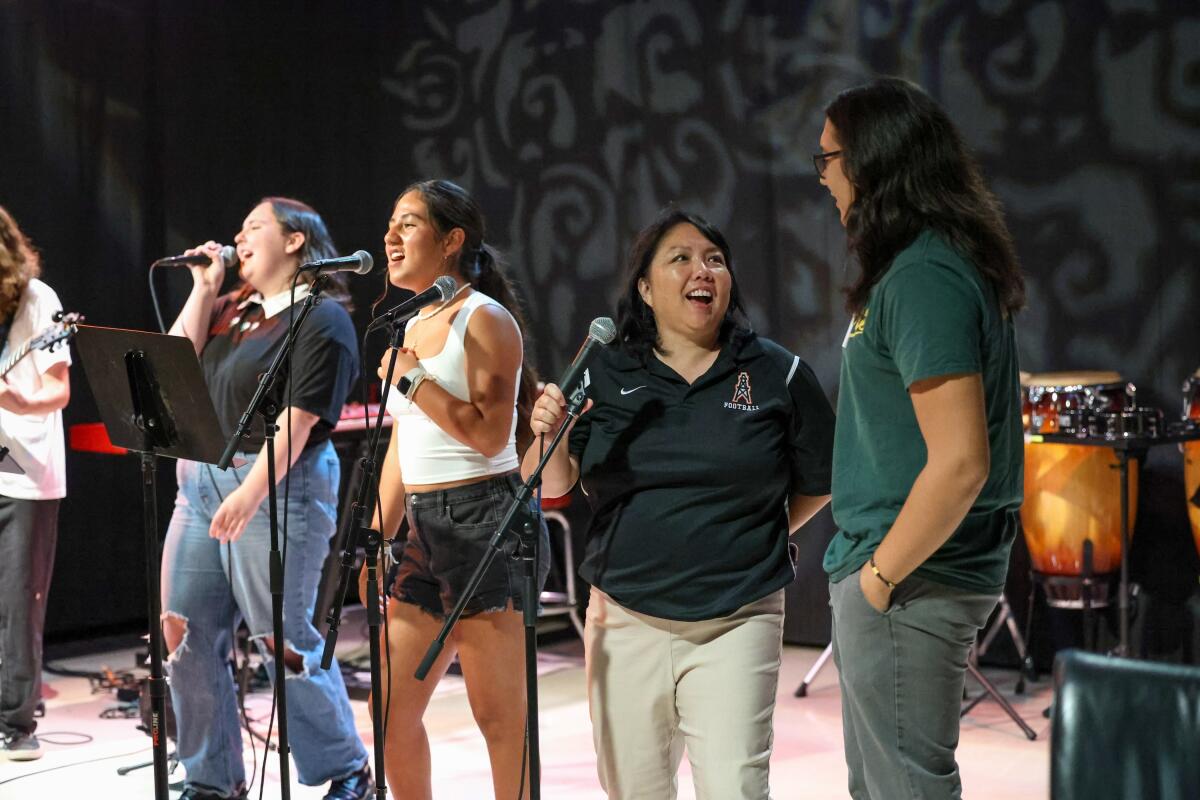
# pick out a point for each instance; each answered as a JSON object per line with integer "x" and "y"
{"x": 28, "y": 531}
{"x": 902, "y": 674}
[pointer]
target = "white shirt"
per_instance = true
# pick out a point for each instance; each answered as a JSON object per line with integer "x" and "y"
{"x": 35, "y": 441}
{"x": 427, "y": 453}
{"x": 278, "y": 302}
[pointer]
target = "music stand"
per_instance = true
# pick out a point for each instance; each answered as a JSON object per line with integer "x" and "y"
{"x": 153, "y": 400}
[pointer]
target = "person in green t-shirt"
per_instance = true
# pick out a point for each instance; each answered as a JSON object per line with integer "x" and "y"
{"x": 927, "y": 464}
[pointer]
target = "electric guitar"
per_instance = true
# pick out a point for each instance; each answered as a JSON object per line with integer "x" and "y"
{"x": 63, "y": 329}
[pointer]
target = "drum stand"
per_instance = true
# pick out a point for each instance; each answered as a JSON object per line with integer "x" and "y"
{"x": 1004, "y": 618}
{"x": 1007, "y": 618}
{"x": 990, "y": 689}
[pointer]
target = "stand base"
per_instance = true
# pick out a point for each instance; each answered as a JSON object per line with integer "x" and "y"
{"x": 172, "y": 763}
{"x": 811, "y": 675}
{"x": 990, "y": 690}
{"x": 1070, "y": 591}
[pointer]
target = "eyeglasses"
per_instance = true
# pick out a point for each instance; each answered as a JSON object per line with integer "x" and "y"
{"x": 821, "y": 161}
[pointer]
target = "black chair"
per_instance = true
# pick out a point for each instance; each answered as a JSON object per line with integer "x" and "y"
{"x": 1124, "y": 729}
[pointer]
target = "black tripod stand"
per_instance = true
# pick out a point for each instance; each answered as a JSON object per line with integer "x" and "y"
{"x": 990, "y": 690}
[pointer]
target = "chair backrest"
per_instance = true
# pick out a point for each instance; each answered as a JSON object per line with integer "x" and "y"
{"x": 1124, "y": 729}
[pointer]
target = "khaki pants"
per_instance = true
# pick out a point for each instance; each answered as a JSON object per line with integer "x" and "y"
{"x": 657, "y": 685}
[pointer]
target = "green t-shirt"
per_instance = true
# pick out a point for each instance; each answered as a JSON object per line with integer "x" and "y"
{"x": 931, "y": 314}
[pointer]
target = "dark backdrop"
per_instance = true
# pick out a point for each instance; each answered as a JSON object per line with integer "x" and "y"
{"x": 132, "y": 129}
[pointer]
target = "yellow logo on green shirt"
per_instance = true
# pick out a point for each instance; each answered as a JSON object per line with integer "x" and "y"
{"x": 860, "y": 324}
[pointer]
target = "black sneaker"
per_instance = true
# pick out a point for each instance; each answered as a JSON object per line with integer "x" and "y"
{"x": 356, "y": 786}
{"x": 22, "y": 747}
{"x": 196, "y": 793}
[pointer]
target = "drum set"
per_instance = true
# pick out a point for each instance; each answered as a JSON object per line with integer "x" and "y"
{"x": 1082, "y": 432}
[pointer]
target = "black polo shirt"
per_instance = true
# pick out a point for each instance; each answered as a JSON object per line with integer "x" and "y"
{"x": 242, "y": 342}
{"x": 689, "y": 484}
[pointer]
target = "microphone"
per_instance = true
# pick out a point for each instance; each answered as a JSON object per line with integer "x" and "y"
{"x": 601, "y": 333}
{"x": 360, "y": 264}
{"x": 442, "y": 290}
{"x": 229, "y": 258}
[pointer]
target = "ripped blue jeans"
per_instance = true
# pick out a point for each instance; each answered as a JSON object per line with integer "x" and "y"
{"x": 209, "y": 587}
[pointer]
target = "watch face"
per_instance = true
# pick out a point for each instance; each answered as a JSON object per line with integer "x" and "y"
{"x": 404, "y": 384}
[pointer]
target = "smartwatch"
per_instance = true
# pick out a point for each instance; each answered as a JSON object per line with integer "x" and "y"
{"x": 410, "y": 379}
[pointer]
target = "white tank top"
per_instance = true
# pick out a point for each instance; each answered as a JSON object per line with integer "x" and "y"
{"x": 427, "y": 453}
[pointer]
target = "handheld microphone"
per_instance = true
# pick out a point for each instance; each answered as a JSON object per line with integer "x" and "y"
{"x": 601, "y": 333}
{"x": 360, "y": 264}
{"x": 441, "y": 291}
{"x": 229, "y": 258}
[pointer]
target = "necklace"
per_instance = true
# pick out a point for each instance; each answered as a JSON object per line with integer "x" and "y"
{"x": 444, "y": 304}
{"x": 420, "y": 335}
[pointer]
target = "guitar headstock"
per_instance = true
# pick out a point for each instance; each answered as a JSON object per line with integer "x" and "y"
{"x": 66, "y": 325}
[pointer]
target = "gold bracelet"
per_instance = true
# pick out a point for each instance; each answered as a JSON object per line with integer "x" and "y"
{"x": 879, "y": 574}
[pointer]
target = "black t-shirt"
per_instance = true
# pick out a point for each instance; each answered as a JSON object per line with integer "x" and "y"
{"x": 689, "y": 484}
{"x": 242, "y": 342}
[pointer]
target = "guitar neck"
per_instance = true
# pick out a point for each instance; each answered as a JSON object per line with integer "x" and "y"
{"x": 12, "y": 360}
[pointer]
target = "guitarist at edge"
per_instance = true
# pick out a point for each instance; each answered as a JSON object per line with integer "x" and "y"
{"x": 32, "y": 395}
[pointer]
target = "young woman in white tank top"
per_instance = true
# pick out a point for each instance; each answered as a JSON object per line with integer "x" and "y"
{"x": 451, "y": 469}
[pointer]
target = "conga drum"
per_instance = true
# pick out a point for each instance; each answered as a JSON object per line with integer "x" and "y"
{"x": 1073, "y": 492}
{"x": 1191, "y": 455}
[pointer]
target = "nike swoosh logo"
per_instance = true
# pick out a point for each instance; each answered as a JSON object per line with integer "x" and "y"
{"x": 631, "y": 391}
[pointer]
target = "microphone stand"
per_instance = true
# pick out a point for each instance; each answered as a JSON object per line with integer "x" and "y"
{"x": 527, "y": 533}
{"x": 371, "y": 540}
{"x": 268, "y": 412}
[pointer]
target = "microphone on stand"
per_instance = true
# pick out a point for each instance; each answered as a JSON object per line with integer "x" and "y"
{"x": 360, "y": 263}
{"x": 229, "y": 258}
{"x": 601, "y": 333}
{"x": 441, "y": 291}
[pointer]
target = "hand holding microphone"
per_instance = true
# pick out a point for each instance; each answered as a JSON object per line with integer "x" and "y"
{"x": 550, "y": 410}
{"x": 207, "y": 263}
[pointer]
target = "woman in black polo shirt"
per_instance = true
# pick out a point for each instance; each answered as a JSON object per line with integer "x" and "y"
{"x": 215, "y": 559}
{"x": 704, "y": 447}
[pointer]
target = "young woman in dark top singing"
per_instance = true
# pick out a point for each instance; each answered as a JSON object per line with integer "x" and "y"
{"x": 215, "y": 560}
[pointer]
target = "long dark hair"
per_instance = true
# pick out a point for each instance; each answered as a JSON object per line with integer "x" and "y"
{"x": 19, "y": 264}
{"x": 911, "y": 171}
{"x": 636, "y": 327}
{"x": 295, "y": 216}
{"x": 450, "y": 206}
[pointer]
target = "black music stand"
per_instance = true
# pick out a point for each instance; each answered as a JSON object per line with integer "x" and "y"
{"x": 153, "y": 400}
{"x": 1125, "y": 448}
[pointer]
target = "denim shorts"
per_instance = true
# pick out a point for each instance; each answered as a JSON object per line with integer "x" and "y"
{"x": 448, "y": 535}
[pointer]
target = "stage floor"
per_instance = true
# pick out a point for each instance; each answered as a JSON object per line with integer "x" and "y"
{"x": 83, "y": 751}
